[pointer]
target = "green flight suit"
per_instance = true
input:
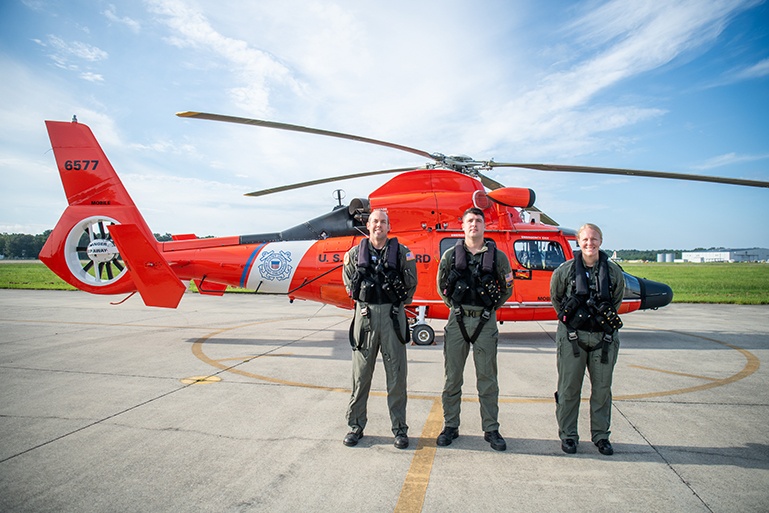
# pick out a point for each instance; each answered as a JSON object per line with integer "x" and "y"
{"x": 381, "y": 337}
{"x": 571, "y": 369}
{"x": 456, "y": 348}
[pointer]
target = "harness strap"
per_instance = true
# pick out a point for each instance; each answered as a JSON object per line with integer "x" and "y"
{"x": 397, "y": 325}
{"x": 363, "y": 253}
{"x": 459, "y": 314}
{"x": 365, "y": 328}
{"x": 574, "y": 339}
{"x": 603, "y": 345}
{"x": 460, "y": 256}
{"x": 606, "y": 342}
{"x": 392, "y": 253}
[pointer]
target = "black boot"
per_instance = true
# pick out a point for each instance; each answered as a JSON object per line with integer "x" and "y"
{"x": 447, "y": 435}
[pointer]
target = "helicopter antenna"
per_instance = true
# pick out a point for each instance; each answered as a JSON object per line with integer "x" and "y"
{"x": 338, "y": 195}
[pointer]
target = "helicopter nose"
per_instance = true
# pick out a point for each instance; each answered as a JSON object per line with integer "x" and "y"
{"x": 652, "y": 294}
{"x": 656, "y": 294}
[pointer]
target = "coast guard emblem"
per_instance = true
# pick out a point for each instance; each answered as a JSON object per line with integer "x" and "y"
{"x": 275, "y": 265}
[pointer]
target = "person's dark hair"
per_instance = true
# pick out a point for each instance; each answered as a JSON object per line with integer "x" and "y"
{"x": 475, "y": 211}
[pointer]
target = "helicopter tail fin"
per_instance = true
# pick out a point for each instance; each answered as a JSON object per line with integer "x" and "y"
{"x": 102, "y": 244}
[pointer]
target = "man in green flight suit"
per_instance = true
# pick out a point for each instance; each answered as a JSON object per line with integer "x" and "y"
{"x": 380, "y": 275}
{"x": 474, "y": 280}
{"x": 586, "y": 292}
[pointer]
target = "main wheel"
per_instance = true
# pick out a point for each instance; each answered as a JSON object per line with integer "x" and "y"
{"x": 422, "y": 335}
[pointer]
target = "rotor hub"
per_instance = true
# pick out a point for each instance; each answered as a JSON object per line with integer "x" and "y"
{"x": 101, "y": 251}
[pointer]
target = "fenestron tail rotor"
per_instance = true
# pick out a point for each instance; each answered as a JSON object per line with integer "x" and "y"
{"x": 91, "y": 254}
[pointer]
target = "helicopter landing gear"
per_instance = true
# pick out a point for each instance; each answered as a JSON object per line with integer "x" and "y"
{"x": 421, "y": 333}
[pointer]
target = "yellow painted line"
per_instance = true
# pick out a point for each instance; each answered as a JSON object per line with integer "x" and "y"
{"x": 684, "y": 374}
{"x": 751, "y": 365}
{"x": 197, "y": 350}
{"x": 201, "y": 380}
{"x": 412, "y": 495}
{"x": 251, "y": 357}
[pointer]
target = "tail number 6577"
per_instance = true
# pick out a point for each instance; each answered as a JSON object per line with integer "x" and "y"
{"x": 81, "y": 165}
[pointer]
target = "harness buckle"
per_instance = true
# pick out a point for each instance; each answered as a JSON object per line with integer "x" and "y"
{"x": 574, "y": 340}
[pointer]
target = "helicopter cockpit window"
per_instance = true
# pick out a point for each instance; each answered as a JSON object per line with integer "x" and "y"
{"x": 539, "y": 254}
{"x": 446, "y": 244}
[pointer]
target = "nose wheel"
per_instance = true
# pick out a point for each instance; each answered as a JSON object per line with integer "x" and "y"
{"x": 91, "y": 254}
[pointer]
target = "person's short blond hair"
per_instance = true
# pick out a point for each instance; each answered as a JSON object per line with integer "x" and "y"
{"x": 592, "y": 227}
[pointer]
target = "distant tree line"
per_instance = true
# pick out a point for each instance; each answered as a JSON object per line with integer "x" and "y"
{"x": 22, "y": 245}
{"x": 25, "y": 246}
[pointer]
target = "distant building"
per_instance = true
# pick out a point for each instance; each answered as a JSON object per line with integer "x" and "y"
{"x": 727, "y": 255}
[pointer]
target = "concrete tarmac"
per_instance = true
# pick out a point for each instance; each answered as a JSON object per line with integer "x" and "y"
{"x": 237, "y": 404}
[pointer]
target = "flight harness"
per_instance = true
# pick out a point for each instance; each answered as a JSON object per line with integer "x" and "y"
{"x": 378, "y": 284}
{"x": 590, "y": 309}
{"x": 477, "y": 287}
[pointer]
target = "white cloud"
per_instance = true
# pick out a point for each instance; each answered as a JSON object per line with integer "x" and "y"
{"x": 758, "y": 70}
{"x": 92, "y": 77}
{"x": 111, "y": 14}
{"x": 257, "y": 71}
{"x": 76, "y": 49}
{"x": 613, "y": 43}
{"x": 729, "y": 159}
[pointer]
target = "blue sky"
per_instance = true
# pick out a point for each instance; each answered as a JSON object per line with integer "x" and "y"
{"x": 678, "y": 86}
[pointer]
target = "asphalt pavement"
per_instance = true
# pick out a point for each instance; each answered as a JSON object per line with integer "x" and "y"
{"x": 237, "y": 404}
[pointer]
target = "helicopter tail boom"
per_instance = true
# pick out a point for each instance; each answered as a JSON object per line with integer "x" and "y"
{"x": 102, "y": 244}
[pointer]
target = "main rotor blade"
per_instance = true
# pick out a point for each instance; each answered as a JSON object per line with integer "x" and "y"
{"x": 489, "y": 183}
{"x": 634, "y": 172}
{"x": 307, "y": 130}
{"x": 283, "y": 188}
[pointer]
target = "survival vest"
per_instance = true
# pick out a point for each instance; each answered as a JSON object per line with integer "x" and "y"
{"x": 473, "y": 285}
{"x": 379, "y": 281}
{"x": 588, "y": 308}
{"x": 476, "y": 285}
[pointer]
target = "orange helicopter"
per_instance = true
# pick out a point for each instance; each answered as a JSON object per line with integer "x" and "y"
{"x": 102, "y": 244}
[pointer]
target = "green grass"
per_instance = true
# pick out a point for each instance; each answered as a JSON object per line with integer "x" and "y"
{"x": 30, "y": 274}
{"x": 742, "y": 284}
{"x": 737, "y": 283}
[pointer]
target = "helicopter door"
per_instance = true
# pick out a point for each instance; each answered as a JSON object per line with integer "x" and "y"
{"x": 533, "y": 266}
